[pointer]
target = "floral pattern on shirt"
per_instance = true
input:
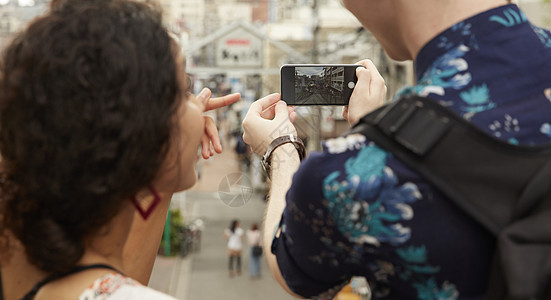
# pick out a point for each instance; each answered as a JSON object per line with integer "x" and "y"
{"x": 369, "y": 204}
{"x": 509, "y": 17}
{"x": 106, "y": 286}
{"x": 544, "y": 36}
{"x": 450, "y": 80}
{"x": 347, "y": 143}
{"x": 476, "y": 100}
{"x": 546, "y": 129}
{"x": 376, "y": 217}
{"x": 448, "y": 71}
{"x": 367, "y": 177}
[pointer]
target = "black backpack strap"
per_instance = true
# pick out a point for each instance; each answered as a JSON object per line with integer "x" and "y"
{"x": 30, "y": 295}
{"x": 504, "y": 187}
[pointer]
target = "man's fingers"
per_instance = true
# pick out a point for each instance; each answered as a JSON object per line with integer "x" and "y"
{"x": 368, "y": 64}
{"x": 364, "y": 76}
{"x": 292, "y": 113}
{"x": 291, "y": 109}
{"x": 281, "y": 111}
{"x": 378, "y": 88}
{"x": 261, "y": 104}
{"x": 345, "y": 112}
{"x": 218, "y": 102}
{"x": 377, "y": 85}
{"x": 360, "y": 72}
{"x": 269, "y": 112}
{"x": 371, "y": 67}
{"x": 369, "y": 93}
{"x": 293, "y": 116}
{"x": 245, "y": 137}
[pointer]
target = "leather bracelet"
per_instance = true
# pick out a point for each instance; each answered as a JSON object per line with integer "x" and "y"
{"x": 282, "y": 140}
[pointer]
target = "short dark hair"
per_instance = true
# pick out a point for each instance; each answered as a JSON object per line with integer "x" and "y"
{"x": 254, "y": 226}
{"x": 88, "y": 98}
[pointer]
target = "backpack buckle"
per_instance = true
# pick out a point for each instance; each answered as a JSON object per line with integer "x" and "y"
{"x": 413, "y": 125}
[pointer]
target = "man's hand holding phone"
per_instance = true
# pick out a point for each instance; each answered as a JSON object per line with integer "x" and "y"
{"x": 269, "y": 117}
{"x": 266, "y": 120}
{"x": 368, "y": 95}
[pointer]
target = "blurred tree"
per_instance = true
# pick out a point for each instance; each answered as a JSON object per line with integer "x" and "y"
{"x": 176, "y": 230}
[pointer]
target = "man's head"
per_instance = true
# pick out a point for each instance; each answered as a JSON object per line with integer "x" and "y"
{"x": 402, "y": 27}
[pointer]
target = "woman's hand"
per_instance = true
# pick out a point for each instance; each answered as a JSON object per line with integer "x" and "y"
{"x": 369, "y": 94}
{"x": 145, "y": 235}
{"x": 210, "y": 141}
{"x": 266, "y": 120}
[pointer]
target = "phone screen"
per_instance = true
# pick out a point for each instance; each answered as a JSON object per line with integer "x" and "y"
{"x": 318, "y": 84}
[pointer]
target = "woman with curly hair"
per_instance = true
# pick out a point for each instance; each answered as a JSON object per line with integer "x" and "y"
{"x": 97, "y": 130}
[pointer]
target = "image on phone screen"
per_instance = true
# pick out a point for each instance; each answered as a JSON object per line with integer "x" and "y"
{"x": 317, "y": 84}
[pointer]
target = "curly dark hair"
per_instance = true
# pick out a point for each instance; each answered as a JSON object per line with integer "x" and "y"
{"x": 88, "y": 101}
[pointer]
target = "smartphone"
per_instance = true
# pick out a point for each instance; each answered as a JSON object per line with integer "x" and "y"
{"x": 318, "y": 84}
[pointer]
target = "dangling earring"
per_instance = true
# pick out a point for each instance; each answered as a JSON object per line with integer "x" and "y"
{"x": 147, "y": 212}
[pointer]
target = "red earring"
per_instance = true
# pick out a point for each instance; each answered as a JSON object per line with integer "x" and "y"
{"x": 147, "y": 212}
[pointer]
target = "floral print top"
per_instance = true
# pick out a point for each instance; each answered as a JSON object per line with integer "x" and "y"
{"x": 355, "y": 210}
{"x": 118, "y": 287}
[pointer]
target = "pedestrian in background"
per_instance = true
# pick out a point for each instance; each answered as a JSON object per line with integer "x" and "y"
{"x": 255, "y": 250}
{"x": 98, "y": 130}
{"x": 234, "y": 236}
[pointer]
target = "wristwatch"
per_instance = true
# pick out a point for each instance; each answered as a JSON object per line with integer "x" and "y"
{"x": 291, "y": 138}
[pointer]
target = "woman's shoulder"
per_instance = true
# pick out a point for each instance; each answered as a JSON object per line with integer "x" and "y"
{"x": 118, "y": 287}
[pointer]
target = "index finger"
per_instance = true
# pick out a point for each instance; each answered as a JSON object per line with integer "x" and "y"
{"x": 214, "y": 103}
{"x": 368, "y": 64}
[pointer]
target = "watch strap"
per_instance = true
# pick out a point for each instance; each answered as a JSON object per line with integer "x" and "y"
{"x": 282, "y": 140}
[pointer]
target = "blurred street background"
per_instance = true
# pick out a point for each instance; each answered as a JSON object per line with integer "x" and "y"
{"x": 239, "y": 46}
{"x": 203, "y": 273}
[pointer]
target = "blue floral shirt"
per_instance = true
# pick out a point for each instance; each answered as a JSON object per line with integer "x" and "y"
{"x": 355, "y": 210}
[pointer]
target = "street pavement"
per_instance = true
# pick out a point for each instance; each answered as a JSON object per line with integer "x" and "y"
{"x": 204, "y": 274}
